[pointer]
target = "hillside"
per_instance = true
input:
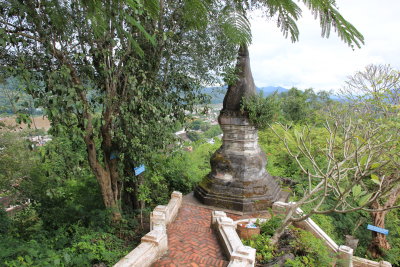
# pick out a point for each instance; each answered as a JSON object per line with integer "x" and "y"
{"x": 217, "y": 93}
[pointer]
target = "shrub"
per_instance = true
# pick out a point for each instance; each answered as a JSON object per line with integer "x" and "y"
{"x": 71, "y": 246}
{"x": 4, "y": 221}
{"x": 264, "y": 249}
{"x": 261, "y": 111}
{"x": 268, "y": 228}
{"x": 309, "y": 250}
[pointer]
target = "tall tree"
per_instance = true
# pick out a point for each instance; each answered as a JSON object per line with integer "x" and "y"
{"x": 375, "y": 93}
{"x": 117, "y": 73}
{"x": 348, "y": 172}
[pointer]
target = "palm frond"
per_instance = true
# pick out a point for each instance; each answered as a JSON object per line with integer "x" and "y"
{"x": 287, "y": 13}
{"x": 236, "y": 26}
{"x": 196, "y": 13}
{"x": 330, "y": 17}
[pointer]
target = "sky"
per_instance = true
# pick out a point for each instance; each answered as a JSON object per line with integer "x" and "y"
{"x": 320, "y": 63}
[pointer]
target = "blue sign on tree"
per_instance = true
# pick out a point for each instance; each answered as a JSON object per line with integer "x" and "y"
{"x": 139, "y": 170}
{"x": 378, "y": 229}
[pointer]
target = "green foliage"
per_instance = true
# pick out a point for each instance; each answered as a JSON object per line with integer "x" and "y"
{"x": 261, "y": 111}
{"x": 309, "y": 250}
{"x": 66, "y": 223}
{"x": 264, "y": 250}
{"x": 393, "y": 223}
{"x": 235, "y": 25}
{"x": 213, "y": 131}
{"x": 288, "y": 12}
{"x": 268, "y": 227}
{"x": 62, "y": 187}
{"x": 200, "y": 129}
{"x": 5, "y": 222}
{"x": 131, "y": 104}
{"x": 195, "y": 124}
{"x": 179, "y": 170}
{"x": 14, "y": 99}
{"x": 304, "y": 106}
{"x": 16, "y": 161}
{"x": 194, "y": 136}
{"x": 329, "y": 225}
{"x": 73, "y": 246}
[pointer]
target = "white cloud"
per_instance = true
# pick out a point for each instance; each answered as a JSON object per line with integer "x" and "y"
{"x": 325, "y": 63}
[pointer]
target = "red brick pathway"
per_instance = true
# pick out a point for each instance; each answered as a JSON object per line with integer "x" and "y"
{"x": 191, "y": 241}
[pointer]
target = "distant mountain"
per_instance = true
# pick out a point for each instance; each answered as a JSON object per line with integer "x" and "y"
{"x": 218, "y": 93}
{"x": 271, "y": 89}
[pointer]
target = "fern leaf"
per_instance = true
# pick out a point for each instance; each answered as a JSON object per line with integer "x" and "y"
{"x": 330, "y": 17}
{"x": 287, "y": 13}
{"x": 236, "y": 27}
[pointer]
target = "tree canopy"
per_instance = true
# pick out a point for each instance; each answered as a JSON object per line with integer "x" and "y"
{"x": 120, "y": 73}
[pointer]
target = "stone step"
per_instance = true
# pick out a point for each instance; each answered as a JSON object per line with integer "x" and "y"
{"x": 189, "y": 228}
{"x": 189, "y": 259}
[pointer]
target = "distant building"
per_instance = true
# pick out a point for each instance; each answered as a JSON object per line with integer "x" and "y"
{"x": 40, "y": 140}
{"x": 211, "y": 141}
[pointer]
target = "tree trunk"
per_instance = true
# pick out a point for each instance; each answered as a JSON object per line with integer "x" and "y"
{"x": 379, "y": 242}
{"x": 103, "y": 175}
{"x": 285, "y": 223}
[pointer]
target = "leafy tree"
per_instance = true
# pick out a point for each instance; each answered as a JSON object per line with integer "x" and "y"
{"x": 374, "y": 92}
{"x": 295, "y": 105}
{"x": 16, "y": 161}
{"x": 303, "y": 106}
{"x": 355, "y": 153}
{"x": 213, "y": 131}
{"x": 116, "y": 73}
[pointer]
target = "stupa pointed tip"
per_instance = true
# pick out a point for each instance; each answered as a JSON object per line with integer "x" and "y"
{"x": 244, "y": 84}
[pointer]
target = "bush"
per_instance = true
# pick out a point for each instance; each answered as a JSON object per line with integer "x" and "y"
{"x": 261, "y": 111}
{"x": 309, "y": 250}
{"x": 262, "y": 243}
{"x": 4, "y": 221}
{"x": 268, "y": 228}
{"x": 73, "y": 246}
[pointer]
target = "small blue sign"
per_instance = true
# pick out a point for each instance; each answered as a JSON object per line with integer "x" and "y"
{"x": 139, "y": 170}
{"x": 113, "y": 156}
{"x": 378, "y": 229}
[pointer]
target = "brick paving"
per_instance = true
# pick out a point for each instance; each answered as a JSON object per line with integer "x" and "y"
{"x": 191, "y": 241}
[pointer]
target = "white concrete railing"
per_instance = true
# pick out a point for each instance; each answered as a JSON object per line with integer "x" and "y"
{"x": 361, "y": 262}
{"x": 345, "y": 253}
{"x": 238, "y": 254}
{"x": 155, "y": 243}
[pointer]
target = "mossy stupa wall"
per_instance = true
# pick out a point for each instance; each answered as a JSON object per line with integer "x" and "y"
{"x": 238, "y": 179}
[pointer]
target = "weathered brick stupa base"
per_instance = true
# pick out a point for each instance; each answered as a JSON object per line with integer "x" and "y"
{"x": 238, "y": 179}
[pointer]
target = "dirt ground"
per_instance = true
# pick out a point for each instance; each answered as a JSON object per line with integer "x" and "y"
{"x": 40, "y": 122}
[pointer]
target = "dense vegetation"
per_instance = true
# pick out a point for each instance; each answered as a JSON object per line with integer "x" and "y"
{"x": 66, "y": 221}
{"x": 116, "y": 78}
{"x": 296, "y": 248}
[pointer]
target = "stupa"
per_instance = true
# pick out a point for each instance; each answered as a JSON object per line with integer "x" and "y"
{"x": 238, "y": 179}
